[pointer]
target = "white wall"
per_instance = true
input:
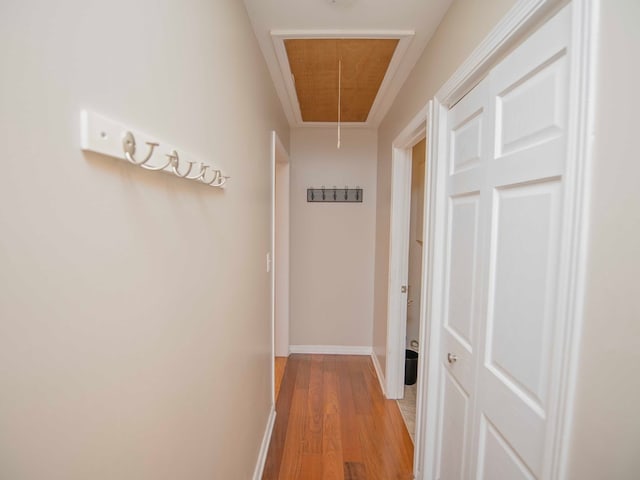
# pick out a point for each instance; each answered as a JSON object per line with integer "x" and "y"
{"x": 135, "y": 328}
{"x": 464, "y": 26}
{"x": 606, "y": 434}
{"x": 332, "y": 245}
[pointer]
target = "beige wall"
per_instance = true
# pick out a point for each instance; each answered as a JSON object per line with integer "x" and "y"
{"x": 463, "y": 27}
{"x": 134, "y": 307}
{"x": 332, "y": 245}
{"x": 606, "y": 435}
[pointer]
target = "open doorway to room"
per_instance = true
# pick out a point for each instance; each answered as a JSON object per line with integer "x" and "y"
{"x": 280, "y": 261}
{"x": 407, "y": 403}
{"x": 408, "y": 268}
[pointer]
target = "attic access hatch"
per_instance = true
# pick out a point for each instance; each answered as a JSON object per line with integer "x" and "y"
{"x": 314, "y": 67}
{"x": 309, "y": 62}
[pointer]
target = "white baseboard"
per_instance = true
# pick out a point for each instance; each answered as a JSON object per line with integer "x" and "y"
{"x": 264, "y": 447}
{"x": 376, "y": 365}
{"x": 331, "y": 349}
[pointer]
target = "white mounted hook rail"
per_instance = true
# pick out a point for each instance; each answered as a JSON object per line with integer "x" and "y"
{"x": 101, "y": 135}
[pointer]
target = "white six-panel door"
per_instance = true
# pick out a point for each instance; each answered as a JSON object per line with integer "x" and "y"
{"x": 468, "y": 153}
{"x": 506, "y": 158}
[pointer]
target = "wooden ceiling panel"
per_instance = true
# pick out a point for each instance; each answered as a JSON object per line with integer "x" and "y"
{"x": 314, "y": 65}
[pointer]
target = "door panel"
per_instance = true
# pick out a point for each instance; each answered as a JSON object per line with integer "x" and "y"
{"x": 497, "y": 459}
{"x": 506, "y": 160}
{"x": 523, "y": 259}
{"x": 540, "y": 95}
{"x": 529, "y": 90}
{"x": 455, "y": 427}
{"x": 463, "y": 231}
{"x": 467, "y": 163}
{"x": 466, "y": 142}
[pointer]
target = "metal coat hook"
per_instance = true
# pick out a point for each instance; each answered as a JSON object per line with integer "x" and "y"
{"x": 199, "y": 175}
{"x": 335, "y": 195}
{"x": 156, "y": 169}
{"x": 172, "y": 164}
{"x": 216, "y": 174}
{"x": 218, "y": 179}
{"x": 129, "y": 147}
{"x": 104, "y": 136}
{"x": 203, "y": 169}
{"x": 175, "y": 163}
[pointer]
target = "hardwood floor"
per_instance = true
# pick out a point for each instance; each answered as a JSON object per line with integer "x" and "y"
{"x": 280, "y": 365}
{"x": 333, "y": 423}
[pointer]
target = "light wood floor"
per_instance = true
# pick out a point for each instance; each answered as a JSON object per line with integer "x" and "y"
{"x": 333, "y": 423}
{"x": 280, "y": 365}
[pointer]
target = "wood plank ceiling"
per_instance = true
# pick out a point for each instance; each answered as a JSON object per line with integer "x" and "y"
{"x": 314, "y": 65}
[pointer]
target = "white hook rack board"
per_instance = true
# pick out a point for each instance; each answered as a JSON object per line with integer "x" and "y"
{"x": 102, "y": 135}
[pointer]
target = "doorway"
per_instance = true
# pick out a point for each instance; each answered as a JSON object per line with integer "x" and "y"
{"x": 279, "y": 261}
{"x": 407, "y": 403}
{"x": 406, "y": 327}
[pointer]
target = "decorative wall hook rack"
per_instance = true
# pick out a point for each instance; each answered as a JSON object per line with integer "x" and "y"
{"x": 107, "y": 137}
{"x": 334, "y": 195}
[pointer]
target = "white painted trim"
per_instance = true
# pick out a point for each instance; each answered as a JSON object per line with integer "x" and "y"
{"x": 517, "y": 23}
{"x": 272, "y": 278}
{"x": 427, "y": 263}
{"x": 399, "y": 233}
{"x": 434, "y": 250}
{"x": 385, "y": 96}
{"x": 414, "y": 131}
{"x": 264, "y": 446}
{"x": 580, "y": 156}
{"x": 378, "y": 369}
{"x": 421, "y": 126}
{"x": 277, "y": 150}
{"x": 398, "y": 270}
{"x": 332, "y": 349}
{"x": 337, "y": 33}
{"x": 281, "y": 248}
{"x": 506, "y": 34}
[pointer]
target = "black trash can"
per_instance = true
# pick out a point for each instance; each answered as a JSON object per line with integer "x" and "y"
{"x": 410, "y": 367}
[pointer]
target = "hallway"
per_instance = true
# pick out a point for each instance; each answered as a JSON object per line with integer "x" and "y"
{"x": 334, "y": 423}
{"x": 191, "y": 189}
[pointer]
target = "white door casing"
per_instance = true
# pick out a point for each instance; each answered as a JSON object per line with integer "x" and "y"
{"x": 506, "y": 150}
{"x": 399, "y": 237}
{"x": 281, "y": 256}
{"x": 277, "y": 261}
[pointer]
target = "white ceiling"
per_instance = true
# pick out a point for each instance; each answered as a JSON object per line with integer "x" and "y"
{"x": 275, "y": 20}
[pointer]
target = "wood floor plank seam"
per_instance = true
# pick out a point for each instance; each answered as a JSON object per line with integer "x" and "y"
{"x": 334, "y": 423}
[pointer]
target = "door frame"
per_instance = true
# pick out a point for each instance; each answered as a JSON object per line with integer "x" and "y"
{"x": 420, "y": 127}
{"x": 519, "y": 21}
{"x": 400, "y": 223}
{"x": 279, "y": 156}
